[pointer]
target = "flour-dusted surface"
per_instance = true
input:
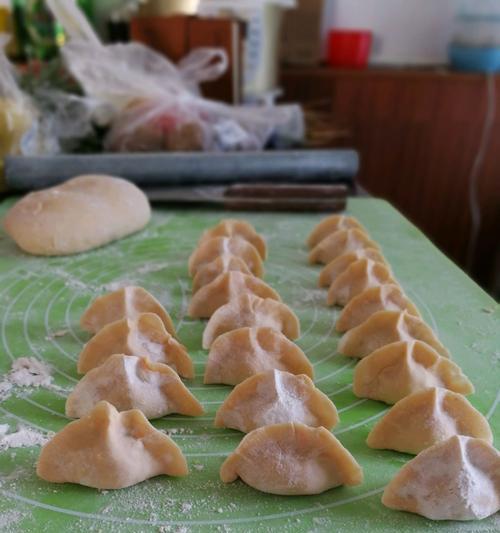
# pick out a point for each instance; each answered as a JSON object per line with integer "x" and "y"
{"x": 41, "y": 297}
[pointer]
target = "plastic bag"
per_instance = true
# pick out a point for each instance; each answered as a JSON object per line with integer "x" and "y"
{"x": 156, "y": 105}
{"x": 17, "y": 113}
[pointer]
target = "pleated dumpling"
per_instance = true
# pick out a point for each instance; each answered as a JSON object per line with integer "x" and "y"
{"x": 231, "y": 227}
{"x": 339, "y": 243}
{"x": 241, "y": 353}
{"x": 361, "y": 275}
{"x": 336, "y": 267}
{"x": 330, "y": 225}
{"x": 109, "y": 450}
{"x": 225, "y": 288}
{"x": 128, "y": 302}
{"x": 387, "y": 297}
{"x": 145, "y": 336}
{"x": 276, "y": 397}
{"x": 129, "y": 382}
{"x": 402, "y": 368}
{"x": 457, "y": 479}
{"x": 425, "y": 418}
{"x": 224, "y": 263}
{"x": 291, "y": 459}
{"x": 251, "y": 311}
{"x": 211, "y": 249}
{"x": 386, "y": 327}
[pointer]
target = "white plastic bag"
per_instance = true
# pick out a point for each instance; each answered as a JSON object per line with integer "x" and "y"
{"x": 156, "y": 105}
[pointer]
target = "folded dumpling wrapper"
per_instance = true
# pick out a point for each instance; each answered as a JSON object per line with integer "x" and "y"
{"x": 109, "y": 450}
{"x": 251, "y": 311}
{"x": 336, "y": 267}
{"x": 291, "y": 459}
{"x": 145, "y": 336}
{"x": 339, "y": 243}
{"x": 457, "y": 479}
{"x": 386, "y": 327}
{"x": 425, "y": 418}
{"x": 386, "y": 297}
{"x": 130, "y": 382}
{"x": 223, "y": 263}
{"x": 276, "y": 397}
{"x": 331, "y": 225}
{"x": 211, "y": 249}
{"x": 357, "y": 278}
{"x": 78, "y": 215}
{"x": 225, "y": 288}
{"x": 402, "y": 368}
{"x": 127, "y": 302}
{"x": 243, "y": 352}
{"x": 231, "y": 227}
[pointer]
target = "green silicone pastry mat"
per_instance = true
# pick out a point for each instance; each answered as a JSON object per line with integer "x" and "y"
{"x": 41, "y": 301}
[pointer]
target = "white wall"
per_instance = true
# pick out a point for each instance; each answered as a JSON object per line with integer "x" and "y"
{"x": 408, "y": 32}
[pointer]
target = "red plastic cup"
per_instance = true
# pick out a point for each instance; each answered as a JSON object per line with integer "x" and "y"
{"x": 349, "y": 48}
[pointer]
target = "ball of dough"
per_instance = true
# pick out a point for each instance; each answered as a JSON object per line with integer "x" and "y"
{"x": 81, "y": 214}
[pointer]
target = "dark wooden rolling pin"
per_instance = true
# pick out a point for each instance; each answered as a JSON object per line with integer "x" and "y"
{"x": 256, "y": 197}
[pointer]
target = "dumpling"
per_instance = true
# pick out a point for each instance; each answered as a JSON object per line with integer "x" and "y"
{"x": 109, "y": 450}
{"x": 379, "y": 298}
{"x": 241, "y": 353}
{"x": 339, "y": 243}
{"x": 425, "y": 418}
{"x": 386, "y": 327}
{"x": 402, "y": 368}
{"x": 251, "y": 311}
{"x": 224, "y": 263}
{"x": 360, "y": 276}
{"x": 225, "y": 288}
{"x": 276, "y": 397}
{"x": 336, "y": 267}
{"x": 144, "y": 337}
{"x": 209, "y": 250}
{"x": 330, "y": 225}
{"x": 458, "y": 479}
{"x": 129, "y": 382}
{"x": 128, "y": 302}
{"x": 291, "y": 459}
{"x": 231, "y": 227}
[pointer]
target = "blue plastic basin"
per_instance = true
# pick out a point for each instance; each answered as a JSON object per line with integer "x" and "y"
{"x": 474, "y": 58}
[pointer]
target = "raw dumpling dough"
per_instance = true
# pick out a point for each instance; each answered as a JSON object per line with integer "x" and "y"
{"x": 276, "y": 397}
{"x": 145, "y": 336}
{"x": 109, "y": 450}
{"x": 372, "y": 300}
{"x": 129, "y": 382}
{"x": 81, "y": 214}
{"x": 336, "y": 267}
{"x": 241, "y": 353}
{"x": 402, "y": 368}
{"x": 226, "y": 288}
{"x": 209, "y": 250}
{"x": 458, "y": 479}
{"x": 425, "y": 418}
{"x": 224, "y": 263}
{"x": 339, "y": 243}
{"x": 231, "y": 227}
{"x": 251, "y": 311}
{"x": 358, "y": 277}
{"x": 330, "y": 225}
{"x": 128, "y": 302}
{"x": 386, "y": 327}
{"x": 291, "y": 459}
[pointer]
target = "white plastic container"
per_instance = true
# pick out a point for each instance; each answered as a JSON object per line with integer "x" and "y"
{"x": 478, "y": 23}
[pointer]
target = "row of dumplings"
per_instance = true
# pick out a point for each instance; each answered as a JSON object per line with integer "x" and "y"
{"x": 456, "y": 474}
{"x": 288, "y": 448}
{"x": 132, "y": 370}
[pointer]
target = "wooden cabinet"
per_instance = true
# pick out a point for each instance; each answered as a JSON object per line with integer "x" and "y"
{"x": 418, "y": 134}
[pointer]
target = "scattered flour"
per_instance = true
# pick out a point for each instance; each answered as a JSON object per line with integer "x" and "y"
{"x": 22, "y": 438}
{"x": 26, "y": 372}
